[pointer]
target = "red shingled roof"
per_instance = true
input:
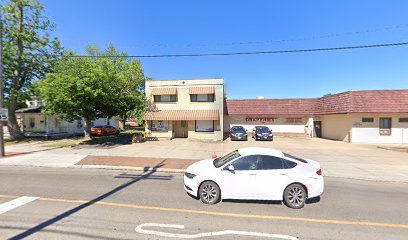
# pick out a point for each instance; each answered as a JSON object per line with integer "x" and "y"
{"x": 293, "y": 106}
{"x": 366, "y": 101}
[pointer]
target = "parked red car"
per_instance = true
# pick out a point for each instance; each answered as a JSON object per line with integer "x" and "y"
{"x": 104, "y": 130}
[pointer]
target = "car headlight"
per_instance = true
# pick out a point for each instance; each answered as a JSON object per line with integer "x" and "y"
{"x": 259, "y": 134}
{"x": 190, "y": 175}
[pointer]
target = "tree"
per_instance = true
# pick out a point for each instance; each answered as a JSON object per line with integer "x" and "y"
{"x": 93, "y": 87}
{"x": 28, "y": 53}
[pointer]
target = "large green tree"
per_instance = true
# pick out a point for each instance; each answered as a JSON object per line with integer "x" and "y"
{"x": 28, "y": 52}
{"x": 95, "y": 86}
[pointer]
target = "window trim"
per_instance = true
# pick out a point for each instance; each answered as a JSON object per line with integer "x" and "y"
{"x": 195, "y": 127}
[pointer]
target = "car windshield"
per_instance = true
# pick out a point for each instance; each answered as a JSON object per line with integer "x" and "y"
{"x": 97, "y": 126}
{"x": 294, "y": 158}
{"x": 237, "y": 129}
{"x": 218, "y": 162}
{"x": 262, "y": 129}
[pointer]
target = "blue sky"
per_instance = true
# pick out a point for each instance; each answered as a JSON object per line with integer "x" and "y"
{"x": 184, "y": 26}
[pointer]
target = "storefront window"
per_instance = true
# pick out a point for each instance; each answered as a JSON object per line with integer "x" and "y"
{"x": 204, "y": 126}
{"x": 160, "y": 126}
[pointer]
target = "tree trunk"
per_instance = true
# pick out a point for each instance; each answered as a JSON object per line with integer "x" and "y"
{"x": 87, "y": 129}
{"x": 14, "y": 128}
{"x": 122, "y": 122}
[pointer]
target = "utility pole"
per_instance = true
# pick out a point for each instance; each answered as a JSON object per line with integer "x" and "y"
{"x": 2, "y": 152}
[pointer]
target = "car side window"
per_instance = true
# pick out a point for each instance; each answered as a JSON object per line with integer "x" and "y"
{"x": 246, "y": 163}
{"x": 288, "y": 164}
{"x": 271, "y": 162}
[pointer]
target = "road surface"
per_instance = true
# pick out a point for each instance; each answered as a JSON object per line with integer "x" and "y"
{"x": 73, "y": 203}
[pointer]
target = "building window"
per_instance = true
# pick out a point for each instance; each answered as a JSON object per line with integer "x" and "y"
{"x": 367, "y": 119}
{"x": 165, "y": 98}
{"x": 32, "y": 122}
{"x": 403, "y": 120}
{"x": 79, "y": 123}
{"x": 204, "y": 126}
{"x": 202, "y": 97}
{"x": 159, "y": 126}
{"x": 385, "y": 126}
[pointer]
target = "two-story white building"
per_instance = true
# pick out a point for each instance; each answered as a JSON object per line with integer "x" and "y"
{"x": 192, "y": 109}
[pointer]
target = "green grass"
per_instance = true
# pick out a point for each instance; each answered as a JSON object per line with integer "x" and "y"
{"x": 62, "y": 143}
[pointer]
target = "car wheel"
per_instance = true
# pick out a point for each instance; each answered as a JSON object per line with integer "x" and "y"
{"x": 209, "y": 192}
{"x": 295, "y": 196}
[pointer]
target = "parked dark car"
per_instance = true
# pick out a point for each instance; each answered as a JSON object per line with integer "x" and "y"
{"x": 238, "y": 133}
{"x": 262, "y": 133}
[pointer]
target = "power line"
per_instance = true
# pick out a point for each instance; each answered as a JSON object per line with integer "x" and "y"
{"x": 327, "y": 36}
{"x": 248, "y": 53}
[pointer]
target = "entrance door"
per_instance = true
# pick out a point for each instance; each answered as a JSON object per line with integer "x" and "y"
{"x": 180, "y": 129}
{"x": 318, "y": 128}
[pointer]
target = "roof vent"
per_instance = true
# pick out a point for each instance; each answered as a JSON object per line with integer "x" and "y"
{"x": 260, "y": 97}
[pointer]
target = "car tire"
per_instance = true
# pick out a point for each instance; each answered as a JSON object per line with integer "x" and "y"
{"x": 294, "y": 196}
{"x": 209, "y": 192}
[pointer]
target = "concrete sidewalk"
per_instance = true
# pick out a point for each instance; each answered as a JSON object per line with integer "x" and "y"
{"x": 372, "y": 172}
{"x": 338, "y": 159}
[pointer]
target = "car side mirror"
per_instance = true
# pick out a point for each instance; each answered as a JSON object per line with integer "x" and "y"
{"x": 230, "y": 168}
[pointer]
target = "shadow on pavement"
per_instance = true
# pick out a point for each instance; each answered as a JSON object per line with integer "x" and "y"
{"x": 134, "y": 179}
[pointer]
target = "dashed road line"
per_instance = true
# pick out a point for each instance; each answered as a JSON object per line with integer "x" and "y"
{"x": 15, "y": 203}
{"x": 236, "y": 215}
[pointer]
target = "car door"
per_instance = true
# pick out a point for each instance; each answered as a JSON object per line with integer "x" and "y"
{"x": 273, "y": 177}
{"x": 242, "y": 183}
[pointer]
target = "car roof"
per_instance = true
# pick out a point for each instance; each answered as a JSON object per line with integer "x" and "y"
{"x": 261, "y": 151}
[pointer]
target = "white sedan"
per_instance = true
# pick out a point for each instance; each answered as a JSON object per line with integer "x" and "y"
{"x": 255, "y": 174}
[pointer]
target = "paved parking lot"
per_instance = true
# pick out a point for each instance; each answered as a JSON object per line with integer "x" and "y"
{"x": 338, "y": 159}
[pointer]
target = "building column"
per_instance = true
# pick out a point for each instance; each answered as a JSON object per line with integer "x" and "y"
{"x": 310, "y": 126}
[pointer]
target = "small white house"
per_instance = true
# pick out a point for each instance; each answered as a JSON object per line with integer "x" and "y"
{"x": 36, "y": 124}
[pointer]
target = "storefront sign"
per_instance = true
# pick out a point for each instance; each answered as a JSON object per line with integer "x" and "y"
{"x": 256, "y": 119}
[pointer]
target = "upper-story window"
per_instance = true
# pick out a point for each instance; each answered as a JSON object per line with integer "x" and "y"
{"x": 202, "y": 97}
{"x": 165, "y": 98}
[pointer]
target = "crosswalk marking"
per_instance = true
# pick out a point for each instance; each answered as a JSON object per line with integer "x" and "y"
{"x": 15, "y": 203}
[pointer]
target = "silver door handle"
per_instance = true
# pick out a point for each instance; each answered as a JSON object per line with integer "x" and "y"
{"x": 252, "y": 174}
{"x": 283, "y": 174}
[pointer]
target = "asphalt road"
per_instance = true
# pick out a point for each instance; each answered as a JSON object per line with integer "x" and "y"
{"x": 111, "y": 204}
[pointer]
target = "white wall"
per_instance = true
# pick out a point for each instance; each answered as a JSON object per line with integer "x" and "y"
{"x": 370, "y": 132}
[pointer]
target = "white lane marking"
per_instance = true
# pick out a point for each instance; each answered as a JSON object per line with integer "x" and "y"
{"x": 140, "y": 229}
{"x": 15, "y": 203}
